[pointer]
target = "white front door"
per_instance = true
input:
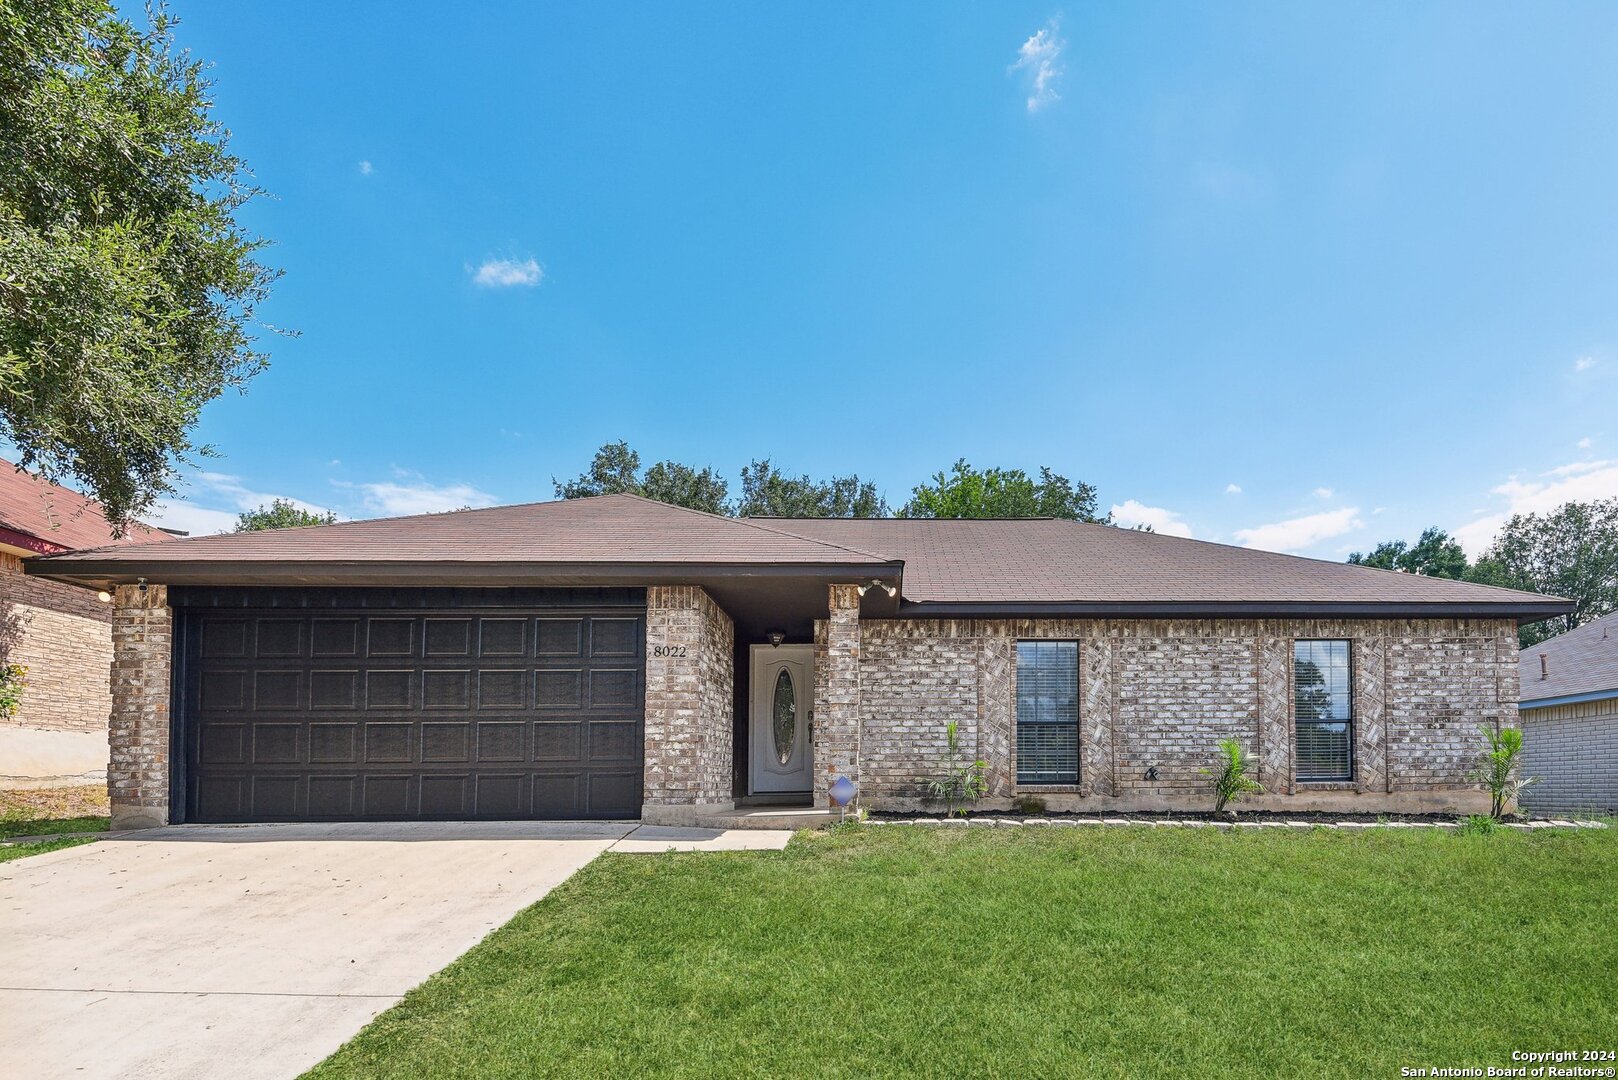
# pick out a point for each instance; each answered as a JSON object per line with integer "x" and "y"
{"x": 782, "y": 714}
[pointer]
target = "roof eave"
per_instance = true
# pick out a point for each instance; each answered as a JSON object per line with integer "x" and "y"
{"x": 1249, "y": 609}
{"x": 438, "y": 572}
{"x": 1568, "y": 699}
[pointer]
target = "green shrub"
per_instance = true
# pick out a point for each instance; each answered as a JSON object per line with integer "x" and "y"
{"x": 13, "y": 678}
{"x": 962, "y": 781}
{"x": 1230, "y": 781}
{"x": 1498, "y": 771}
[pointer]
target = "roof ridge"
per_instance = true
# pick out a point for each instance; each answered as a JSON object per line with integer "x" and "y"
{"x": 753, "y": 524}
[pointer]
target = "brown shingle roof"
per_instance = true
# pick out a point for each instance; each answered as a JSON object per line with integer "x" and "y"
{"x": 1045, "y": 561}
{"x": 607, "y": 529}
{"x": 1018, "y": 564}
{"x": 1582, "y": 661}
{"x": 59, "y": 518}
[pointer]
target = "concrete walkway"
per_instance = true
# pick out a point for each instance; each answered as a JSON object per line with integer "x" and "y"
{"x": 255, "y": 951}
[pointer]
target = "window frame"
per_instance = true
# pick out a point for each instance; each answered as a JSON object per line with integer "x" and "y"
{"x": 1351, "y": 721}
{"x": 1066, "y": 781}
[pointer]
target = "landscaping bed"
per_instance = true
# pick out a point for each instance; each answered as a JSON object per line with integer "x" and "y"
{"x": 865, "y": 952}
{"x": 1308, "y": 817}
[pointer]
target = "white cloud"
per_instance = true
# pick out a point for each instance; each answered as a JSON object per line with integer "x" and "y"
{"x": 1586, "y": 442}
{"x": 1037, "y": 56}
{"x": 1584, "y": 363}
{"x": 365, "y": 168}
{"x": 505, "y": 273}
{"x": 1300, "y": 533}
{"x": 1233, "y": 489}
{"x": 1131, "y": 513}
{"x": 390, "y": 499}
{"x": 217, "y": 499}
{"x": 1323, "y": 493}
{"x": 1577, "y": 482}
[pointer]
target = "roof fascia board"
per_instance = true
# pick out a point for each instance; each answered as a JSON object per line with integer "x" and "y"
{"x": 1568, "y": 699}
{"x": 1523, "y": 612}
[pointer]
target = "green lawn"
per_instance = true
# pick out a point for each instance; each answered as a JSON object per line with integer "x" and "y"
{"x": 906, "y": 951}
{"x": 19, "y": 825}
{"x": 8, "y": 852}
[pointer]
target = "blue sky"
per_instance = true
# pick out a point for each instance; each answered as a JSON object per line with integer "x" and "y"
{"x": 1292, "y": 275}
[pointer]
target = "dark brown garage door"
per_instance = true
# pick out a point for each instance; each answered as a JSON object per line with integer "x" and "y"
{"x": 426, "y": 711}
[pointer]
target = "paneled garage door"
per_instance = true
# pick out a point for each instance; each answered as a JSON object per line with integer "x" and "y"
{"x": 388, "y": 713}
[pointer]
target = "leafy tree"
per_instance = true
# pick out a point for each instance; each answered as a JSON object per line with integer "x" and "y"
{"x": 681, "y": 485}
{"x": 1571, "y": 551}
{"x": 1435, "y": 554}
{"x": 615, "y": 470}
{"x": 769, "y": 492}
{"x": 127, "y": 286}
{"x": 966, "y": 492}
{"x": 281, "y": 514}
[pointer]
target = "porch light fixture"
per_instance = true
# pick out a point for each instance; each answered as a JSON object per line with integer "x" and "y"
{"x": 104, "y": 596}
{"x": 776, "y": 637}
{"x": 142, "y": 583}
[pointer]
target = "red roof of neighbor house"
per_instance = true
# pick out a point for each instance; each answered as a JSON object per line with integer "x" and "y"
{"x": 58, "y": 518}
{"x": 1580, "y": 663}
{"x": 1032, "y": 565}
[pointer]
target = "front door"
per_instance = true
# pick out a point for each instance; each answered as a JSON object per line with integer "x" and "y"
{"x": 782, "y": 718}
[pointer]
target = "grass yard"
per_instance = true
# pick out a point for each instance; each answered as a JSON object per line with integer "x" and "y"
{"x": 8, "y": 852}
{"x": 906, "y": 951}
{"x": 54, "y": 810}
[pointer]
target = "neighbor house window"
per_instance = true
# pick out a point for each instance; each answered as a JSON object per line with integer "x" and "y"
{"x": 1047, "y": 712}
{"x": 1323, "y": 709}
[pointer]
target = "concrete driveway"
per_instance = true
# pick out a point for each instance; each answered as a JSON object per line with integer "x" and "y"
{"x": 251, "y": 951}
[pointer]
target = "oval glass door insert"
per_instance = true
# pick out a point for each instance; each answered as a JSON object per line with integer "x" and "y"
{"x": 784, "y": 717}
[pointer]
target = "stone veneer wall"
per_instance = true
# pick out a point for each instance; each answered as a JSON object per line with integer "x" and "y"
{"x": 1161, "y": 693}
{"x": 138, "y": 735}
{"x": 690, "y": 698}
{"x": 62, "y": 633}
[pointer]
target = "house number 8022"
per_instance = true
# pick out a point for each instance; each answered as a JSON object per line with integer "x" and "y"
{"x": 668, "y": 650}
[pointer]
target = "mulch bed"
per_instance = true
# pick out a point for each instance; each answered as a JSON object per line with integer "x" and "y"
{"x": 1309, "y": 817}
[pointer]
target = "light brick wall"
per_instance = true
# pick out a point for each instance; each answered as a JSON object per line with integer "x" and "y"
{"x": 690, "y": 698}
{"x": 1162, "y": 693}
{"x": 63, "y": 635}
{"x": 138, "y": 735}
{"x": 1573, "y": 750}
{"x": 838, "y": 643}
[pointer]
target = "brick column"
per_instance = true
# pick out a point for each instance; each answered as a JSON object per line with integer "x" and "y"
{"x": 837, "y": 692}
{"x": 1275, "y": 716}
{"x": 138, "y": 730}
{"x": 690, "y": 700}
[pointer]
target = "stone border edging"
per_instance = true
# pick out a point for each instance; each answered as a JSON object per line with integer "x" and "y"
{"x": 1193, "y": 823}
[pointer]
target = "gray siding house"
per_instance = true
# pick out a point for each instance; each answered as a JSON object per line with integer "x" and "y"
{"x": 1569, "y": 703}
{"x": 619, "y": 658}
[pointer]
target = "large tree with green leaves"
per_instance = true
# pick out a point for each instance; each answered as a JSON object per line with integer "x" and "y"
{"x": 1434, "y": 554}
{"x": 965, "y": 492}
{"x": 615, "y": 470}
{"x": 1571, "y": 551}
{"x": 281, "y": 514}
{"x": 769, "y": 492}
{"x": 127, "y": 286}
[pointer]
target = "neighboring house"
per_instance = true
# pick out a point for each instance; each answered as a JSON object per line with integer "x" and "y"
{"x": 1570, "y": 719}
{"x": 619, "y": 658}
{"x": 61, "y": 633}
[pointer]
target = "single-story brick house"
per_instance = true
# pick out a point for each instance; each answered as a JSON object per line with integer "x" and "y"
{"x": 616, "y": 657}
{"x": 62, "y": 633}
{"x": 1569, "y": 703}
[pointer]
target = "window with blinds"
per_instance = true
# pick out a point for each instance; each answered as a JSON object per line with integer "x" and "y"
{"x": 1323, "y": 710}
{"x": 1047, "y": 712}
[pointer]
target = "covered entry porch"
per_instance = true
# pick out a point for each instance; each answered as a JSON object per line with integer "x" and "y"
{"x": 753, "y": 697}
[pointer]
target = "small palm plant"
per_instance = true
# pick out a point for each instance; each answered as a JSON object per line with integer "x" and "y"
{"x": 1231, "y": 781}
{"x": 1498, "y": 772}
{"x": 962, "y": 781}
